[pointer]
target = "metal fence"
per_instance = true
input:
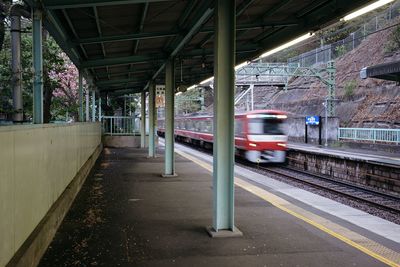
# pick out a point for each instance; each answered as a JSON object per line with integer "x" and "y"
{"x": 120, "y": 125}
{"x": 332, "y": 51}
{"x": 370, "y": 135}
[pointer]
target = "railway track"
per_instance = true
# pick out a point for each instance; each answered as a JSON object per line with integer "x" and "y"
{"x": 378, "y": 199}
{"x": 382, "y": 203}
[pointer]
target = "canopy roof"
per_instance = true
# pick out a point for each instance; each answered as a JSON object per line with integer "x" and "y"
{"x": 123, "y": 44}
{"x": 386, "y": 71}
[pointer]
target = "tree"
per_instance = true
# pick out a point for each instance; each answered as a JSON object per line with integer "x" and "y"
{"x": 54, "y": 61}
{"x": 4, "y": 9}
{"x": 189, "y": 101}
{"x": 5, "y": 74}
{"x": 66, "y": 92}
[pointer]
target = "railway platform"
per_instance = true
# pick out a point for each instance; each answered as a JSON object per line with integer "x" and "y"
{"x": 369, "y": 156}
{"x": 128, "y": 215}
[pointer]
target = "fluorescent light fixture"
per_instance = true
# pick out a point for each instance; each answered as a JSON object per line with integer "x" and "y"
{"x": 179, "y": 93}
{"x": 212, "y": 78}
{"x": 287, "y": 45}
{"x": 207, "y": 80}
{"x": 241, "y": 65}
{"x": 191, "y": 87}
{"x": 366, "y": 9}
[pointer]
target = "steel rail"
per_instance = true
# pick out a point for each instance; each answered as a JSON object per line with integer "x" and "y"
{"x": 341, "y": 188}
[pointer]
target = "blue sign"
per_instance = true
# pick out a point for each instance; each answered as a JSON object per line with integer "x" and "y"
{"x": 312, "y": 120}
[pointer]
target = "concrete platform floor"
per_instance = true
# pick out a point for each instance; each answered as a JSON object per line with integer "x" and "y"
{"x": 128, "y": 215}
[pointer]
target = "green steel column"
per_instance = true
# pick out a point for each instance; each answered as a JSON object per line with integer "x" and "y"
{"x": 224, "y": 92}
{"x": 80, "y": 96}
{"x": 93, "y": 105}
{"x": 143, "y": 119}
{"x": 99, "y": 101}
{"x": 152, "y": 119}
{"x": 87, "y": 119}
{"x": 37, "y": 67}
{"x": 331, "y": 70}
{"x": 169, "y": 118}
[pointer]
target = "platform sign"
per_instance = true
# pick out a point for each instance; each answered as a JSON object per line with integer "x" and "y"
{"x": 312, "y": 120}
{"x": 160, "y": 96}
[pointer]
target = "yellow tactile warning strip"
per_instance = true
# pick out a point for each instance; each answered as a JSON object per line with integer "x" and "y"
{"x": 369, "y": 247}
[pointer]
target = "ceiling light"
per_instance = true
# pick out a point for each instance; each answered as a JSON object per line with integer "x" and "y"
{"x": 241, "y": 65}
{"x": 367, "y": 9}
{"x": 288, "y": 44}
{"x": 191, "y": 87}
{"x": 207, "y": 80}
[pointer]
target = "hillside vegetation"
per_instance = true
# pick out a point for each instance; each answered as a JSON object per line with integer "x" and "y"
{"x": 361, "y": 103}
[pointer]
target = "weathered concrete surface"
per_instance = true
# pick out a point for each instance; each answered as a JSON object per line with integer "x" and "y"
{"x": 128, "y": 215}
{"x": 381, "y": 172}
{"x": 37, "y": 163}
{"x": 37, "y": 243}
{"x": 295, "y": 129}
{"x": 116, "y": 141}
{"x": 122, "y": 141}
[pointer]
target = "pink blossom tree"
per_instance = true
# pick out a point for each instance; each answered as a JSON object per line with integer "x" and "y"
{"x": 66, "y": 93}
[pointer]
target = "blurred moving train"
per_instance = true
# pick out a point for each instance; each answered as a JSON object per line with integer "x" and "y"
{"x": 259, "y": 136}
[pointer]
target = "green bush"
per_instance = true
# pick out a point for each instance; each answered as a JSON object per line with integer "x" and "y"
{"x": 340, "y": 50}
{"x": 393, "y": 43}
{"x": 349, "y": 87}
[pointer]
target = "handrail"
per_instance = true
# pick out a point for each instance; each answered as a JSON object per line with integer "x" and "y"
{"x": 120, "y": 125}
{"x": 370, "y": 134}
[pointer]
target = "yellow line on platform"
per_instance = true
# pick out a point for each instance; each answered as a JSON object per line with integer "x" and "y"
{"x": 370, "y": 248}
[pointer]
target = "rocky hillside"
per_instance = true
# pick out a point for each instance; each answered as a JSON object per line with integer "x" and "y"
{"x": 362, "y": 103}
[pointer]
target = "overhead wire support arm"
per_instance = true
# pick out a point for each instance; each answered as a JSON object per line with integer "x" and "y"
{"x": 278, "y": 74}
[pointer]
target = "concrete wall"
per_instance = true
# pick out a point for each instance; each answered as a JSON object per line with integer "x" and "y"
{"x": 124, "y": 141}
{"x": 295, "y": 129}
{"x": 37, "y": 162}
{"x": 381, "y": 176}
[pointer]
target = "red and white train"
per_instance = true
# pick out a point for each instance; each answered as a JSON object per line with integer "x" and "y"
{"x": 259, "y": 136}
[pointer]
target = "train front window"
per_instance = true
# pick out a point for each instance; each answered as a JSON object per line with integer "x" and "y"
{"x": 265, "y": 126}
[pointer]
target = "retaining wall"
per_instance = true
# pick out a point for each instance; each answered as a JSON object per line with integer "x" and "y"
{"x": 37, "y": 164}
{"x": 295, "y": 129}
{"x": 381, "y": 176}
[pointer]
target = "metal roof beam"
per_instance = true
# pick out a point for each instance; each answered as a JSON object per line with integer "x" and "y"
{"x": 240, "y": 9}
{"x": 54, "y": 26}
{"x": 188, "y": 9}
{"x": 62, "y": 4}
{"x": 116, "y": 88}
{"x": 125, "y": 37}
{"x": 197, "y": 23}
{"x": 132, "y": 71}
{"x": 99, "y": 31}
{"x": 141, "y": 25}
{"x": 71, "y": 26}
{"x": 210, "y": 51}
{"x": 207, "y": 14}
{"x": 117, "y": 82}
{"x": 97, "y": 63}
{"x": 271, "y": 11}
{"x": 266, "y": 34}
{"x": 151, "y": 35}
{"x": 275, "y": 8}
{"x": 123, "y": 91}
